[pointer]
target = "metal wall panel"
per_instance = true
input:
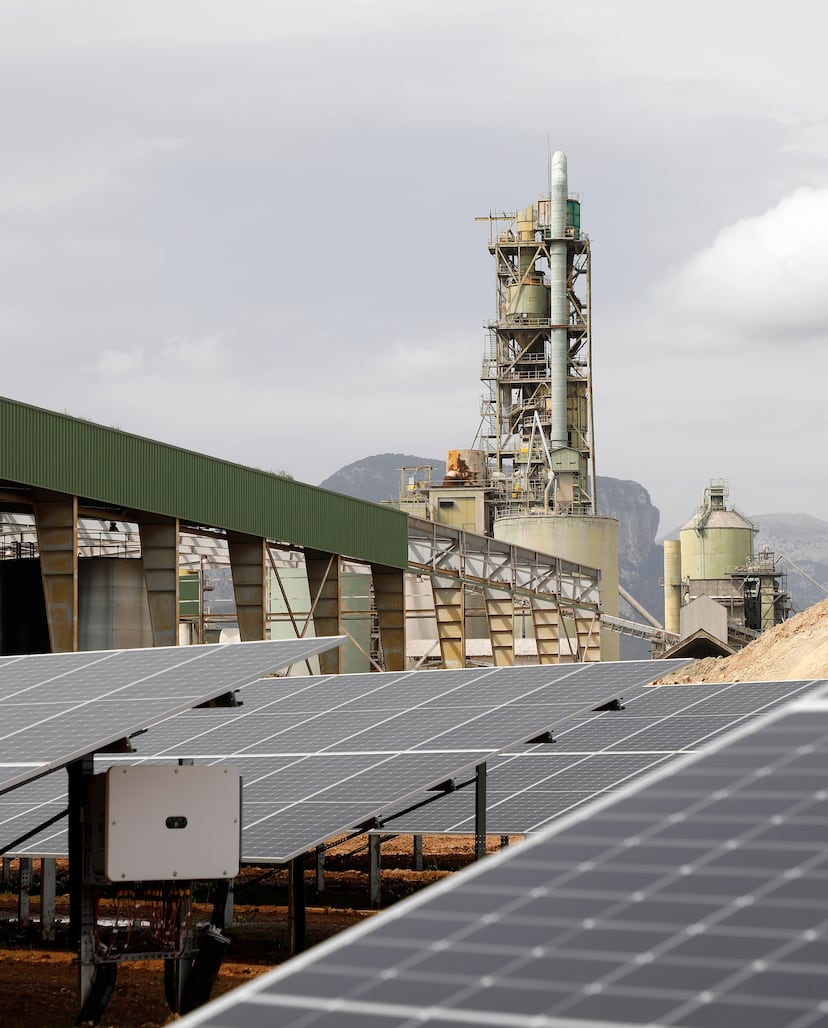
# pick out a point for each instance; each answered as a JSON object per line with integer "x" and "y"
{"x": 55, "y": 451}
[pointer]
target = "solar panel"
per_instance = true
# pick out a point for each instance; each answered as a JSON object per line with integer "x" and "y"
{"x": 341, "y": 745}
{"x": 58, "y": 707}
{"x": 530, "y": 786}
{"x": 696, "y": 897}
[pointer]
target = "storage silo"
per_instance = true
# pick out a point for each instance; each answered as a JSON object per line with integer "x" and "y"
{"x": 716, "y": 539}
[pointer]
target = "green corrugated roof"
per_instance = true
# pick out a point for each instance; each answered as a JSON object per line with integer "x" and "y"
{"x": 71, "y": 455}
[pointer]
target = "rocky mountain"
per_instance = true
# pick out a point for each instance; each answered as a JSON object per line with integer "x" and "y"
{"x": 640, "y": 560}
{"x": 378, "y": 478}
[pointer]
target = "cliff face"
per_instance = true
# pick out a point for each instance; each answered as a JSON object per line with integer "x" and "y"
{"x": 638, "y": 519}
{"x": 640, "y": 560}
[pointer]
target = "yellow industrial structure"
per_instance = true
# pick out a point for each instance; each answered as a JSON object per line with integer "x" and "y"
{"x": 530, "y": 481}
{"x": 715, "y": 586}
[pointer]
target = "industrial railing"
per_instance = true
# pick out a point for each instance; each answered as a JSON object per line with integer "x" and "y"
{"x": 533, "y": 507}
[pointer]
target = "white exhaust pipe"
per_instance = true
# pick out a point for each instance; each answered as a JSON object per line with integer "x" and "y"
{"x": 559, "y": 304}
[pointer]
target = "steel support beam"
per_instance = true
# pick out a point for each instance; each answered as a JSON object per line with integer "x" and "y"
{"x": 389, "y": 597}
{"x": 500, "y": 612}
{"x": 546, "y": 621}
{"x": 480, "y": 811}
{"x": 24, "y": 885}
{"x": 588, "y": 630}
{"x": 48, "y": 905}
{"x": 320, "y": 869}
{"x": 81, "y": 902}
{"x": 449, "y": 609}
{"x": 248, "y": 566}
{"x": 417, "y": 855}
{"x": 323, "y": 570}
{"x": 56, "y": 521}
{"x": 160, "y": 541}
{"x": 375, "y": 868}
{"x": 297, "y": 920}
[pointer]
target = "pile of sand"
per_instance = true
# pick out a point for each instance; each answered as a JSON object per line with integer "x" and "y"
{"x": 796, "y": 649}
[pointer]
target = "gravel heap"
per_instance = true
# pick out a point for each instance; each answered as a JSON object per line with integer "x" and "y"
{"x": 795, "y": 650}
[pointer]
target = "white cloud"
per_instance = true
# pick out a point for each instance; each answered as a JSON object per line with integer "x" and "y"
{"x": 762, "y": 279}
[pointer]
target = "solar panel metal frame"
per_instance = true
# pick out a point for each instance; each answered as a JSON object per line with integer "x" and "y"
{"x": 556, "y": 791}
{"x": 65, "y": 693}
{"x": 629, "y": 911}
{"x": 436, "y": 764}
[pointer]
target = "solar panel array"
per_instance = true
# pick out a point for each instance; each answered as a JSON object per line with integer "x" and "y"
{"x": 531, "y": 785}
{"x": 57, "y": 707}
{"x": 321, "y": 756}
{"x": 697, "y": 897}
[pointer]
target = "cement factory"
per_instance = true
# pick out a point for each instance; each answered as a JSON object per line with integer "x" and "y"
{"x": 507, "y": 560}
{"x": 146, "y": 553}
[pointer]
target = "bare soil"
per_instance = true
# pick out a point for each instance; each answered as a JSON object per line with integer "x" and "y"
{"x": 795, "y": 650}
{"x": 38, "y": 981}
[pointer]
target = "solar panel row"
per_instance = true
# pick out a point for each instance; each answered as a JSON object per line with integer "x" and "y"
{"x": 695, "y": 897}
{"x": 58, "y": 707}
{"x": 531, "y": 785}
{"x": 320, "y": 756}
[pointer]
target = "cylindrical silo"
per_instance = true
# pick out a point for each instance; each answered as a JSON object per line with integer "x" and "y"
{"x": 592, "y": 541}
{"x": 672, "y": 586}
{"x": 715, "y": 540}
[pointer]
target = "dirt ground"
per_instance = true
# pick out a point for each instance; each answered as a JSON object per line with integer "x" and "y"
{"x": 38, "y": 982}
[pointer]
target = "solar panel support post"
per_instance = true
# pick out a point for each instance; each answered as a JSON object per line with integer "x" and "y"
{"x": 296, "y": 904}
{"x": 48, "y": 885}
{"x": 227, "y": 919}
{"x": 417, "y": 856}
{"x": 24, "y": 883}
{"x": 375, "y": 868}
{"x": 320, "y": 868}
{"x": 81, "y": 900}
{"x": 5, "y": 874}
{"x": 222, "y": 913}
{"x": 177, "y": 969}
{"x": 480, "y": 811}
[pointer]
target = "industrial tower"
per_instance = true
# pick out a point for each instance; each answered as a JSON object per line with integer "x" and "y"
{"x": 530, "y": 479}
{"x": 537, "y": 415}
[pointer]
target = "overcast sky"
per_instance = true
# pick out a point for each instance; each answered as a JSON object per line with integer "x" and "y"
{"x": 247, "y": 227}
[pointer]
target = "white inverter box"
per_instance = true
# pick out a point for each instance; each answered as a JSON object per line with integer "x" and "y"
{"x": 172, "y": 821}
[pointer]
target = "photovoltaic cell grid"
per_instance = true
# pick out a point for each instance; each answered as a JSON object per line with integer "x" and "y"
{"x": 472, "y": 711}
{"x": 697, "y": 897}
{"x": 321, "y": 756}
{"x": 58, "y": 707}
{"x": 531, "y": 785}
